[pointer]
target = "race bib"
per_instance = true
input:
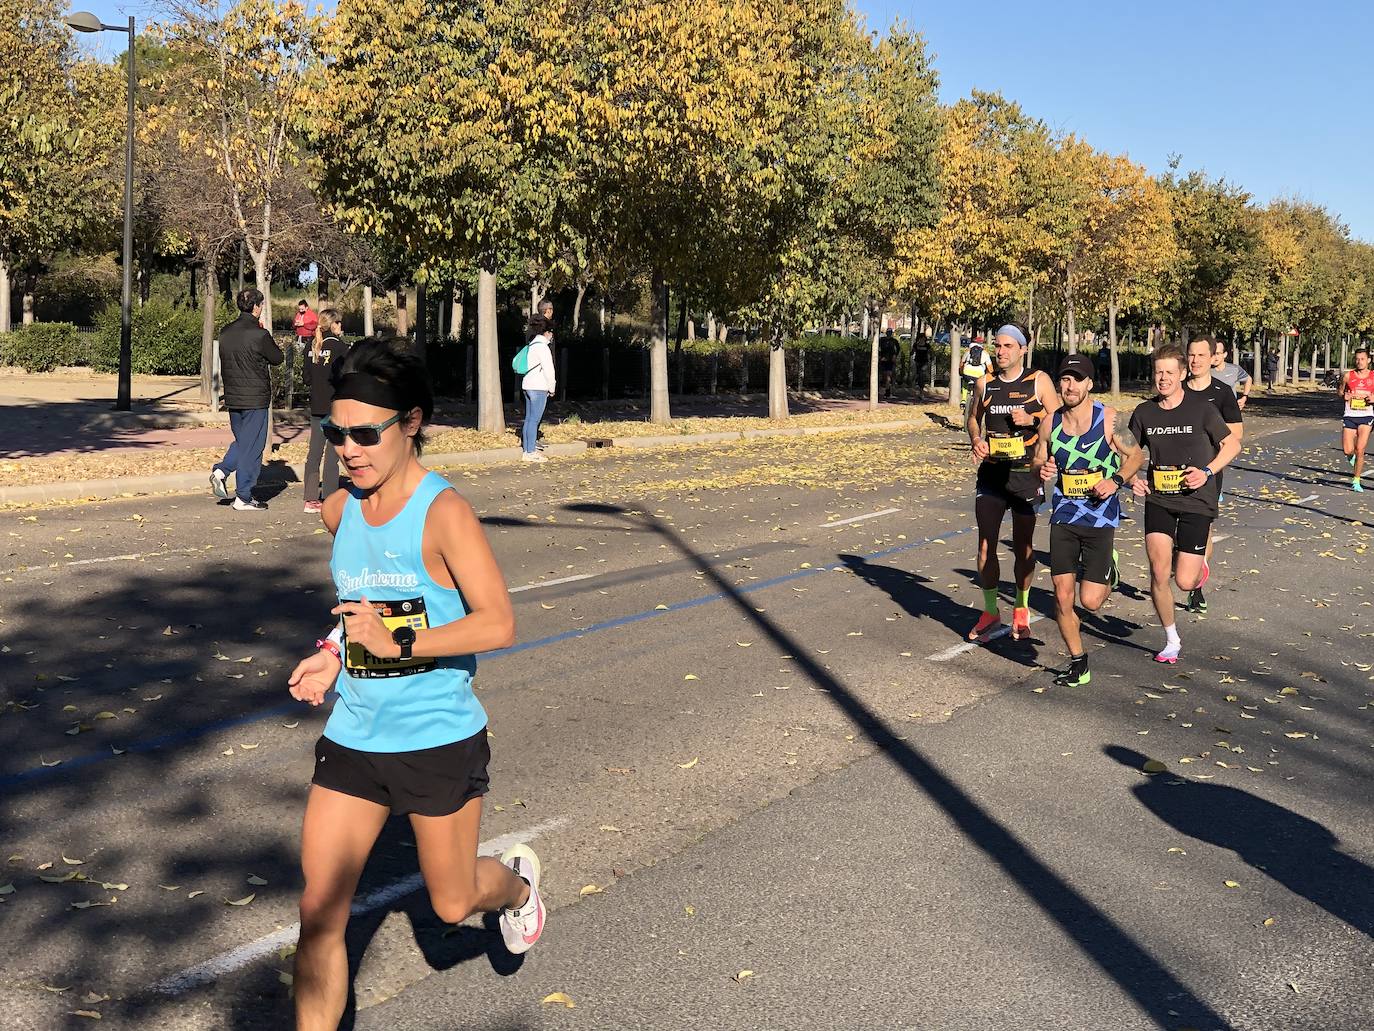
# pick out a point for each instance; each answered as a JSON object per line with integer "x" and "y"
{"x": 1006, "y": 447}
{"x": 1167, "y": 479}
{"x": 1077, "y": 485}
{"x": 361, "y": 663}
{"x": 1359, "y": 402}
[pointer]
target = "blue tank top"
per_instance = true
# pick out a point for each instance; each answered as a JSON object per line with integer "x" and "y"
{"x": 1090, "y": 453}
{"x": 395, "y": 705}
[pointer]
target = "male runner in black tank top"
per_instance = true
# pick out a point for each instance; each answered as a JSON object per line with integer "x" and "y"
{"x": 1222, "y": 397}
{"x": 1003, "y": 426}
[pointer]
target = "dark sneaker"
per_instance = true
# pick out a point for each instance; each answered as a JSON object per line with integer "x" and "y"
{"x": 1075, "y": 674}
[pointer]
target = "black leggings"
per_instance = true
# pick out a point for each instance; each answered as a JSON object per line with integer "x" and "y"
{"x": 320, "y": 449}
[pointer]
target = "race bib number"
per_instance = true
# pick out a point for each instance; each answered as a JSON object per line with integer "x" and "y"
{"x": 361, "y": 663}
{"x": 1006, "y": 448}
{"x": 1167, "y": 479}
{"x": 1358, "y": 403}
{"x": 1077, "y": 485}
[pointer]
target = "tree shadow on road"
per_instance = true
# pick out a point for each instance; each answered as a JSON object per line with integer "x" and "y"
{"x": 1298, "y": 853}
{"x": 1167, "y": 1000}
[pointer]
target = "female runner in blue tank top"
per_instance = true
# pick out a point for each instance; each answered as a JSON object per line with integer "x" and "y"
{"x": 419, "y": 595}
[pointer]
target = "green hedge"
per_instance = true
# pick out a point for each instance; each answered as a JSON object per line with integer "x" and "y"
{"x": 40, "y": 347}
{"x": 166, "y": 340}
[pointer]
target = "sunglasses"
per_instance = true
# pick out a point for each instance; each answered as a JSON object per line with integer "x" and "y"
{"x": 366, "y": 435}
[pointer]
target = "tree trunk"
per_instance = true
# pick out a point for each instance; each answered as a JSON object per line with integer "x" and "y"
{"x": 1111, "y": 343}
{"x": 263, "y": 281}
{"x": 1258, "y": 344}
{"x": 1345, "y": 342}
{"x": 26, "y": 302}
{"x": 801, "y": 369}
{"x": 1326, "y": 356}
{"x": 873, "y": 365}
{"x": 1281, "y": 375}
{"x": 1069, "y": 318}
{"x": 1297, "y": 360}
{"x": 208, "y": 394}
{"x": 536, "y": 295}
{"x": 863, "y": 326}
{"x": 4, "y": 298}
{"x": 403, "y": 312}
{"x": 660, "y": 410}
{"x": 455, "y": 312}
{"x": 710, "y": 325}
{"x": 577, "y": 307}
{"x": 421, "y": 321}
{"x": 490, "y": 416}
{"x": 953, "y": 367}
{"x": 605, "y": 371}
{"x": 715, "y": 371}
{"x": 681, "y": 358}
{"x": 777, "y": 382}
{"x": 367, "y": 311}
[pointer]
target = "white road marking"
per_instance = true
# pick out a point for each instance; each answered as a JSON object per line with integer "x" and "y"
{"x": 960, "y": 649}
{"x": 227, "y": 962}
{"x": 858, "y": 518}
{"x": 552, "y": 583}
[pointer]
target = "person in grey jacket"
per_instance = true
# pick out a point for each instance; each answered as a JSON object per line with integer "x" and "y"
{"x": 245, "y": 352}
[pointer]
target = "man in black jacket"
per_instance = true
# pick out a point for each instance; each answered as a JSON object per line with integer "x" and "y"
{"x": 245, "y": 352}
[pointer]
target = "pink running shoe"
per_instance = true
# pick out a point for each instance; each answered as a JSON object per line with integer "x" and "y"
{"x": 986, "y": 622}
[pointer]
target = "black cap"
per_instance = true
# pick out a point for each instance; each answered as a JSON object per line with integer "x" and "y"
{"x": 1076, "y": 365}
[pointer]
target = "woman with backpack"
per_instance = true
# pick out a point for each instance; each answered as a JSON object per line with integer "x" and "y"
{"x": 538, "y": 383}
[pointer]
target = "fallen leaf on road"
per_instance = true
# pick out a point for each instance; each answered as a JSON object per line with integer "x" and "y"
{"x": 1231, "y": 884}
{"x": 73, "y": 862}
{"x": 691, "y": 676}
{"x": 688, "y": 765}
{"x": 592, "y": 889}
{"x": 1154, "y": 766}
{"x": 1270, "y": 921}
{"x": 193, "y": 894}
{"x": 292, "y": 725}
{"x": 743, "y": 975}
{"x": 241, "y": 902}
{"x": 557, "y": 998}
{"x": 88, "y": 1014}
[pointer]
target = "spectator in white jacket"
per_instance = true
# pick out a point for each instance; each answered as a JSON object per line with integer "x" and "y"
{"x": 538, "y": 384}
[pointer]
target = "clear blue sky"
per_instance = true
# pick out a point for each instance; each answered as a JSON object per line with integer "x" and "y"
{"x": 1276, "y": 97}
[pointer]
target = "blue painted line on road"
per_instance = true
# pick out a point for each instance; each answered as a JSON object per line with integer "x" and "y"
{"x": 41, "y": 773}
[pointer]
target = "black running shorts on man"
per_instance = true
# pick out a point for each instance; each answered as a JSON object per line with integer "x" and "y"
{"x": 428, "y": 782}
{"x": 1006, "y": 473}
{"x": 1187, "y": 436}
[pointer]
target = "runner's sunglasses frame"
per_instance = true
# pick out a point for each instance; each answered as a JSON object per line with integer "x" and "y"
{"x": 364, "y": 435}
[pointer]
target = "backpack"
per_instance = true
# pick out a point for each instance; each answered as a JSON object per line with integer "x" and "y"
{"x": 521, "y": 362}
{"x": 975, "y": 355}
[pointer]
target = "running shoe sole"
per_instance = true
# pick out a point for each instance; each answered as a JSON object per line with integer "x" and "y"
{"x": 1168, "y": 660}
{"x": 219, "y": 486}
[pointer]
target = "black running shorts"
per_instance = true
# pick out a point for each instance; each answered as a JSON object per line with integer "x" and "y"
{"x": 1188, "y": 530}
{"x": 1088, "y": 547}
{"x": 1016, "y": 488}
{"x": 429, "y": 782}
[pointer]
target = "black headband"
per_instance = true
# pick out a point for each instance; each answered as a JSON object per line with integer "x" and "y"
{"x": 359, "y": 386}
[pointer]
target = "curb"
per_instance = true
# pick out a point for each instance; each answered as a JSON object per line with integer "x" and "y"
{"x": 111, "y": 490}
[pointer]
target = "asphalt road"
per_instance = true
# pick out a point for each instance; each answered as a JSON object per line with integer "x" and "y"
{"x": 753, "y": 726}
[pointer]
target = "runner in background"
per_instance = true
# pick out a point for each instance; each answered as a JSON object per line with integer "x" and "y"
{"x": 1357, "y": 390}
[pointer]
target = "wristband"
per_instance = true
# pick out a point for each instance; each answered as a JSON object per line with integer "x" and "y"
{"x": 336, "y": 635}
{"x": 327, "y": 645}
{"x": 1208, "y": 470}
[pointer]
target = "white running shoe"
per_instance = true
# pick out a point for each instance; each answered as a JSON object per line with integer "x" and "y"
{"x": 248, "y": 506}
{"x": 218, "y": 484}
{"x": 522, "y": 927}
{"x": 532, "y": 456}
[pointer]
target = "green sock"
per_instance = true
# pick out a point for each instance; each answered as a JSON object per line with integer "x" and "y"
{"x": 1023, "y": 597}
{"x": 990, "y": 600}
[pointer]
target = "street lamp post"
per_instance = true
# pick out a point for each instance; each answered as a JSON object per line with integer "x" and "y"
{"x": 84, "y": 21}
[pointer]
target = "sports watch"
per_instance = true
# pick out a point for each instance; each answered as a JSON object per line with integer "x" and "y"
{"x": 1116, "y": 478}
{"x": 405, "y": 637}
